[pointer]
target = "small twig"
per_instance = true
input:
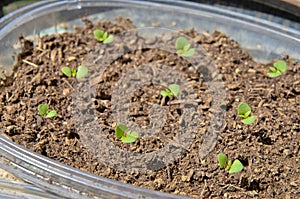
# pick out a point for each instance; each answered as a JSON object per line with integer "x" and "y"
{"x": 163, "y": 100}
{"x": 108, "y": 126}
{"x": 230, "y": 185}
{"x": 261, "y": 103}
{"x": 40, "y": 49}
{"x": 67, "y": 83}
{"x": 169, "y": 113}
{"x": 169, "y": 173}
{"x": 44, "y": 52}
{"x": 30, "y": 63}
{"x": 52, "y": 125}
{"x": 97, "y": 59}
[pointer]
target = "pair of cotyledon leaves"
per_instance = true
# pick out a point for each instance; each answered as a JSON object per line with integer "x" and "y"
{"x": 171, "y": 91}
{"x": 103, "y": 36}
{"x": 44, "y": 110}
{"x": 244, "y": 111}
{"x": 182, "y": 44}
{"x": 81, "y": 71}
{"x": 183, "y": 47}
{"x": 278, "y": 69}
{"x": 232, "y": 167}
{"x": 125, "y": 135}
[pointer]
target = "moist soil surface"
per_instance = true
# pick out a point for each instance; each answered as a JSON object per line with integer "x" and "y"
{"x": 268, "y": 149}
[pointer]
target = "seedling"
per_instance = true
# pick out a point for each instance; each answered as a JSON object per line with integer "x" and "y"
{"x": 171, "y": 91}
{"x": 276, "y": 71}
{"x": 103, "y": 36}
{"x": 183, "y": 47}
{"x": 125, "y": 135}
{"x": 44, "y": 111}
{"x": 231, "y": 167}
{"x": 81, "y": 71}
{"x": 244, "y": 112}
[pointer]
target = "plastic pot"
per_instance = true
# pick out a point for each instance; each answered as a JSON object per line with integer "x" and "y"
{"x": 264, "y": 40}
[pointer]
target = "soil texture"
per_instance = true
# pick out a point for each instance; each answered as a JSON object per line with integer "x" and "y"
{"x": 268, "y": 149}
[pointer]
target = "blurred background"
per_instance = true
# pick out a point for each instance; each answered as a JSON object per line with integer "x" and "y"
{"x": 285, "y": 12}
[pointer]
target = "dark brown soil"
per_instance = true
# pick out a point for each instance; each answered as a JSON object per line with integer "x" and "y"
{"x": 269, "y": 149}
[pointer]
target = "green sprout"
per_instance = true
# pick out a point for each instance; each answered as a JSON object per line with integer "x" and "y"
{"x": 244, "y": 112}
{"x": 125, "y": 135}
{"x": 81, "y": 72}
{"x": 183, "y": 47}
{"x": 103, "y": 36}
{"x": 171, "y": 91}
{"x": 276, "y": 71}
{"x": 231, "y": 167}
{"x": 44, "y": 110}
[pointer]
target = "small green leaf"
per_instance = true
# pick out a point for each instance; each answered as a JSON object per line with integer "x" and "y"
{"x": 130, "y": 137}
{"x": 181, "y": 42}
{"x": 278, "y": 69}
{"x": 82, "y": 71}
{"x": 180, "y": 52}
{"x": 242, "y": 116}
{"x": 236, "y": 166}
{"x": 43, "y": 108}
{"x": 222, "y": 159}
{"x": 51, "y": 114}
{"x": 73, "y": 72}
{"x": 127, "y": 139}
{"x": 99, "y": 35}
{"x": 247, "y": 114}
{"x": 104, "y": 37}
{"x": 280, "y": 65}
{"x": 166, "y": 93}
{"x": 174, "y": 88}
{"x": 244, "y": 112}
{"x": 248, "y": 120}
{"x": 186, "y": 47}
{"x": 67, "y": 71}
{"x": 273, "y": 75}
{"x": 243, "y": 108}
{"x": 273, "y": 69}
{"x": 229, "y": 163}
{"x": 120, "y": 130}
{"x": 134, "y": 134}
{"x": 188, "y": 53}
{"x": 109, "y": 39}
{"x": 183, "y": 47}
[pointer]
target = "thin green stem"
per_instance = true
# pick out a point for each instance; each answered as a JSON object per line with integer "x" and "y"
{"x": 275, "y": 86}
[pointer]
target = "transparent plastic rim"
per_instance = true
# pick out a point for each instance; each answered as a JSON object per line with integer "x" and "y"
{"x": 193, "y": 7}
{"x": 12, "y": 189}
{"x": 70, "y": 182}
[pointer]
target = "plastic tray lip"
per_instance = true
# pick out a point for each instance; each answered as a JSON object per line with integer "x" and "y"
{"x": 243, "y": 19}
{"x": 40, "y": 161}
{"x": 272, "y": 27}
{"x": 75, "y": 175}
{"x": 11, "y": 186}
{"x": 10, "y": 16}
